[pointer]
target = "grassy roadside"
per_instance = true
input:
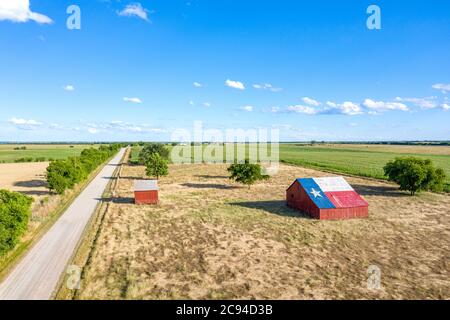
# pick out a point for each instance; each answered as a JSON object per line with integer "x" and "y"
{"x": 83, "y": 253}
{"x": 10, "y": 260}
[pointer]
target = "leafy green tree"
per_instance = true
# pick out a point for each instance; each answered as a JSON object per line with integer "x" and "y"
{"x": 151, "y": 148}
{"x": 157, "y": 166}
{"x": 15, "y": 212}
{"x": 413, "y": 174}
{"x": 246, "y": 173}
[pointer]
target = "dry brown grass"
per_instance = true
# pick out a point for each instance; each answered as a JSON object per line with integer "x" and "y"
{"x": 419, "y": 149}
{"x": 209, "y": 239}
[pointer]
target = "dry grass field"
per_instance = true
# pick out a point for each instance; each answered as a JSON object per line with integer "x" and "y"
{"x": 28, "y": 178}
{"x": 211, "y": 239}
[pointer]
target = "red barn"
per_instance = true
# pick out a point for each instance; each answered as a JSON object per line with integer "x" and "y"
{"x": 146, "y": 192}
{"x": 326, "y": 199}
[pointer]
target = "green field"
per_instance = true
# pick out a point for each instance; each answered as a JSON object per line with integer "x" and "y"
{"x": 353, "y": 159}
{"x": 358, "y": 160}
{"x": 47, "y": 152}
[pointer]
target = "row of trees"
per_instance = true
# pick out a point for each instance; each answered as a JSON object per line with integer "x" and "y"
{"x": 64, "y": 174}
{"x": 15, "y": 212}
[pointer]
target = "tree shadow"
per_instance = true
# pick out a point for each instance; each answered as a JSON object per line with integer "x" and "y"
{"x": 278, "y": 207}
{"x": 386, "y": 191}
{"x": 206, "y": 176}
{"x": 119, "y": 200}
{"x": 208, "y": 186}
{"x": 134, "y": 178}
{"x": 36, "y": 193}
{"x": 31, "y": 184}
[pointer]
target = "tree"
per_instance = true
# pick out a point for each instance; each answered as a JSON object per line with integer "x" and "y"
{"x": 15, "y": 212}
{"x": 157, "y": 166}
{"x": 246, "y": 173}
{"x": 414, "y": 174}
{"x": 152, "y": 148}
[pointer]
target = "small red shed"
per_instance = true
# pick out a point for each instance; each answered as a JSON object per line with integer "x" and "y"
{"x": 326, "y": 199}
{"x": 146, "y": 192}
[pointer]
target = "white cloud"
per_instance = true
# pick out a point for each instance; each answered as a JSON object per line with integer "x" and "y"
{"x": 347, "y": 108}
{"x": 132, "y": 100}
{"x": 267, "y": 86}
{"x": 247, "y": 108}
{"x": 235, "y": 84}
{"x": 273, "y": 110}
{"x": 332, "y": 104}
{"x": 20, "y": 121}
{"x": 445, "y": 106}
{"x": 191, "y": 103}
{"x": 92, "y": 130}
{"x": 19, "y": 11}
{"x": 311, "y": 102}
{"x": 350, "y": 108}
{"x": 302, "y": 109}
{"x": 25, "y": 124}
{"x": 383, "y": 106}
{"x": 135, "y": 10}
{"x": 198, "y": 85}
{"x": 207, "y": 104}
{"x": 442, "y": 86}
{"x": 69, "y": 87}
{"x": 424, "y": 103}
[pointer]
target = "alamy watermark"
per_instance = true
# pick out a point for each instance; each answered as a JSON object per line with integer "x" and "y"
{"x": 373, "y": 277}
{"x": 374, "y": 20}
{"x": 73, "y": 22}
{"x": 73, "y": 281}
{"x": 215, "y": 146}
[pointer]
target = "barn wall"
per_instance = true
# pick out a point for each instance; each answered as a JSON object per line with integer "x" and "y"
{"x": 344, "y": 213}
{"x": 146, "y": 197}
{"x": 297, "y": 198}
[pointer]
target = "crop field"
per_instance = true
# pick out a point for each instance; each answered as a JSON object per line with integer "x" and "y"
{"x": 34, "y": 153}
{"x": 361, "y": 160}
{"x": 353, "y": 159}
{"x": 210, "y": 238}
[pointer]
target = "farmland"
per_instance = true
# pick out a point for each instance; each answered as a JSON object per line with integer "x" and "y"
{"x": 354, "y": 159}
{"x": 361, "y": 160}
{"x": 11, "y": 152}
{"x": 212, "y": 239}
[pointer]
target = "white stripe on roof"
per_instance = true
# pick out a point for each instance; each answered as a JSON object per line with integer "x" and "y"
{"x": 145, "y": 185}
{"x": 331, "y": 184}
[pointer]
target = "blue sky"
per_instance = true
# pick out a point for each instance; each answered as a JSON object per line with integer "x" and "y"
{"x": 139, "y": 70}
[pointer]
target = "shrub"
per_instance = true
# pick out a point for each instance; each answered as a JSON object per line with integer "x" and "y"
{"x": 40, "y": 159}
{"x": 246, "y": 173}
{"x": 15, "y": 212}
{"x": 414, "y": 174}
{"x": 157, "y": 166}
{"x": 22, "y": 160}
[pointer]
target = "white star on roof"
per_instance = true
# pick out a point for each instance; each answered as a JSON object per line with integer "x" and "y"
{"x": 316, "y": 193}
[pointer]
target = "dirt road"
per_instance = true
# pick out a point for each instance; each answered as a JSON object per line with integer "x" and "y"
{"x": 37, "y": 275}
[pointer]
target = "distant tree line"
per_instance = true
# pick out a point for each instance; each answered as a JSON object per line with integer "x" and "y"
{"x": 64, "y": 174}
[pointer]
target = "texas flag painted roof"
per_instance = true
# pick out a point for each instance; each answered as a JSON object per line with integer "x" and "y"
{"x": 332, "y": 193}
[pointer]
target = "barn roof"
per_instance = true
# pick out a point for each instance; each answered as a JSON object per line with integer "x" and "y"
{"x": 331, "y": 193}
{"x": 145, "y": 185}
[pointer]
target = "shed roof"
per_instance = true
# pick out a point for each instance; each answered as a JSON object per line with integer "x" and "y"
{"x": 145, "y": 185}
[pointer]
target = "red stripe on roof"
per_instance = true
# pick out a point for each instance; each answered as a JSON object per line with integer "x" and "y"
{"x": 346, "y": 199}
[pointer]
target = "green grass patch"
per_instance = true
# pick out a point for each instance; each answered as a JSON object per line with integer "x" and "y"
{"x": 38, "y": 153}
